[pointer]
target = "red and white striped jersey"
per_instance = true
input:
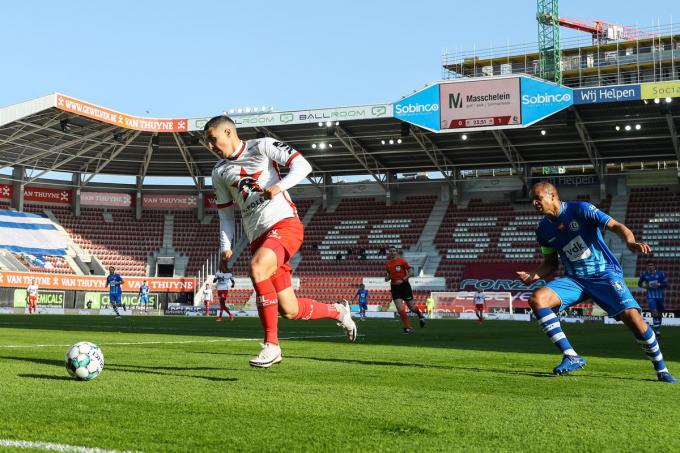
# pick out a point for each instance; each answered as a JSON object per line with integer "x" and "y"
{"x": 242, "y": 178}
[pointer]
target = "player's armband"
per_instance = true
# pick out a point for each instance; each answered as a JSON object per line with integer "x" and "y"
{"x": 547, "y": 250}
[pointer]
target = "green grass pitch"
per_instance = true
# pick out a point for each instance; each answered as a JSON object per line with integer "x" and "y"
{"x": 184, "y": 384}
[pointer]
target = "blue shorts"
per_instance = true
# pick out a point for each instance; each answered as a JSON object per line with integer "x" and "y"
{"x": 143, "y": 299}
{"x": 655, "y": 304}
{"x": 609, "y": 291}
{"x": 363, "y": 305}
{"x": 114, "y": 298}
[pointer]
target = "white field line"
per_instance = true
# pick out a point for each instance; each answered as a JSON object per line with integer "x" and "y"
{"x": 128, "y": 343}
{"x": 49, "y": 446}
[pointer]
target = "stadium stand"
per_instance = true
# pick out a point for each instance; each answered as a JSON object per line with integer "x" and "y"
{"x": 654, "y": 217}
{"x": 489, "y": 232}
{"x": 361, "y": 225}
{"x": 330, "y": 272}
{"x": 195, "y": 239}
{"x": 242, "y": 265}
{"x": 123, "y": 241}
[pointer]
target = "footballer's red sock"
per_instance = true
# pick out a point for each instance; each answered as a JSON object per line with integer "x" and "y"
{"x": 311, "y": 309}
{"x": 404, "y": 318}
{"x": 268, "y": 310}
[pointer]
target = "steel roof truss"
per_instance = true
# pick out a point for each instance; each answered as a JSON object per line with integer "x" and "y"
{"x": 113, "y": 155}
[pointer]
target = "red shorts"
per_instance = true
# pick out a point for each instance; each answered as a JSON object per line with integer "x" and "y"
{"x": 31, "y": 300}
{"x": 284, "y": 239}
{"x": 222, "y": 293}
{"x": 479, "y": 307}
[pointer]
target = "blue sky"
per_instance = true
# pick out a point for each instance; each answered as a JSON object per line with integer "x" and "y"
{"x": 179, "y": 59}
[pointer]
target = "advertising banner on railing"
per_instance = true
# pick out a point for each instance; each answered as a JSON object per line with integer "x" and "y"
{"x": 608, "y": 94}
{"x": 660, "y": 90}
{"x": 421, "y": 108}
{"x": 123, "y": 200}
{"x": 210, "y": 201}
{"x": 484, "y": 103}
{"x": 91, "y": 283}
{"x": 46, "y": 195}
{"x": 360, "y": 112}
{"x": 105, "y": 115}
{"x": 51, "y": 302}
{"x": 5, "y": 191}
{"x": 173, "y": 201}
{"x": 500, "y": 277}
{"x": 540, "y": 99}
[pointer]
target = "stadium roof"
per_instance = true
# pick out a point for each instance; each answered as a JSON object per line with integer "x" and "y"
{"x": 56, "y": 132}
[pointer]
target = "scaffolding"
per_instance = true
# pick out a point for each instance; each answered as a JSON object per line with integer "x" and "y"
{"x": 582, "y": 62}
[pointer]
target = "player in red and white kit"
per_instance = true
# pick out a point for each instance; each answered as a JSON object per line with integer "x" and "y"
{"x": 222, "y": 278}
{"x": 207, "y": 296}
{"x": 32, "y": 296}
{"x": 479, "y": 305}
{"x": 248, "y": 175}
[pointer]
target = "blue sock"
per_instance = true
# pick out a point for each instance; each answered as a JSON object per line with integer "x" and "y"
{"x": 115, "y": 309}
{"x": 550, "y": 324}
{"x": 652, "y": 349}
{"x": 657, "y": 324}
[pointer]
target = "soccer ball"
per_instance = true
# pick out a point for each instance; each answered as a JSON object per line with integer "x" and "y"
{"x": 84, "y": 361}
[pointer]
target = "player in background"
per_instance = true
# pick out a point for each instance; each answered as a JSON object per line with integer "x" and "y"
{"x": 654, "y": 281}
{"x": 429, "y": 304}
{"x": 479, "y": 305}
{"x": 572, "y": 231}
{"x": 222, "y": 277}
{"x": 207, "y": 297}
{"x": 144, "y": 294}
{"x": 32, "y": 291}
{"x": 248, "y": 175}
{"x": 398, "y": 273}
{"x": 114, "y": 282}
{"x": 362, "y": 295}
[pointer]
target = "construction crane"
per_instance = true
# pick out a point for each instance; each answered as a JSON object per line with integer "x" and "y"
{"x": 549, "y": 23}
{"x": 604, "y": 32}
{"x": 548, "y": 18}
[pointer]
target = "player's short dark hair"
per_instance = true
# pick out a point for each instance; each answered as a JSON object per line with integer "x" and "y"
{"x": 651, "y": 262}
{"x": 216, "y": 121}
{"x": 545, "y": 185}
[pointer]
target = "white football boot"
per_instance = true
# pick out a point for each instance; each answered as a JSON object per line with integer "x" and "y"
{"x": 268, "y": 356}
{"x": 345, "y": 321}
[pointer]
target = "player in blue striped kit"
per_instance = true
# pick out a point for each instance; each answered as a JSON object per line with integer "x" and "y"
{"x": 362, "y": 294}
{"x": 572, "y": 231}
{"x": 113, "y": 281}
{"x": 654, "y": 281}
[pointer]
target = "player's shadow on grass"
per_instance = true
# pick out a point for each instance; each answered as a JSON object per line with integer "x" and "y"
{"x": 59, "y": 363}
{"x": 136, "y": 369}
{"x": 426, "y": 366}
{"x": 125, "y": 368}
{"x": 540, "y": 374}
{"x": 45, "y": 376}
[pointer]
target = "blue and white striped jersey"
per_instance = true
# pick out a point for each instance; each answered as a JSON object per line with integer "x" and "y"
{"x": 575, "y": 235}
{"x": 656, "y": 283}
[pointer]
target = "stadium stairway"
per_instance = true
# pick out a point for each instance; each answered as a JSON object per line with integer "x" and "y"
{"x": 627, "y": 258}
{"x": 167, "y": 249}
{"x": 10, "y": 262}
{"x": 426, "y": 240}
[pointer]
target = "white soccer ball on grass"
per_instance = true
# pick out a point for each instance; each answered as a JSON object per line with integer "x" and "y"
{"x": 84, "y": 361}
